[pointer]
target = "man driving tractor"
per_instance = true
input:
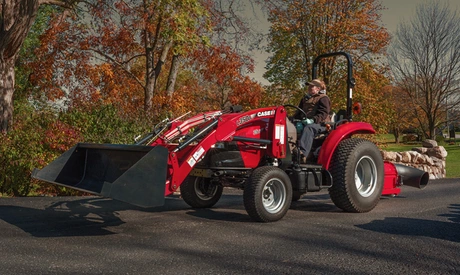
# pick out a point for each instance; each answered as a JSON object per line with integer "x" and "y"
{"x": 317, "y": 105}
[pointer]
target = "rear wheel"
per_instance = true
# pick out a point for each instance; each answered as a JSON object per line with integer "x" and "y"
{"x": 357, "y": 172}
{"x": 199, "y": 192}
{"x": 268, "y": 193}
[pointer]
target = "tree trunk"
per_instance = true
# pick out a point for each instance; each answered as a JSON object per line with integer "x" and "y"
{"x": 149, "y": 89}
{"x": 6, "y": 93}
{"x": 153, "y": 74}
{"x": 162, "y": 60}
{"x": 396, "y": 134}
{"x": 16, "y": 19}
{"x": 149, "y": 79}
{"x": 172, "y": 75}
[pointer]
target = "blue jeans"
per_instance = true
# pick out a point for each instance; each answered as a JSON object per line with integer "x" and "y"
{"x": 309, "y": 132}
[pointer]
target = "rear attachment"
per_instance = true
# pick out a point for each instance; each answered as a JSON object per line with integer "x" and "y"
{"x": 131, "y": 173}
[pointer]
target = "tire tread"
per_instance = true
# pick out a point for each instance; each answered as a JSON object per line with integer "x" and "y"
{"x": 340, "y": 192}
{"x": 253, "y": 202}
{"x": 187, "y": 190}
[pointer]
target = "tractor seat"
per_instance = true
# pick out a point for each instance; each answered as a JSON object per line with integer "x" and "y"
{"x": 340, "y": 115}
{"x": 337, "y": 119}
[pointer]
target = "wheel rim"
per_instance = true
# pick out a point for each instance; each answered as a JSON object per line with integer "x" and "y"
{"x": 204, "y": 191}
{"x": 366, "y": 176}
{"x": 274, "y": 195}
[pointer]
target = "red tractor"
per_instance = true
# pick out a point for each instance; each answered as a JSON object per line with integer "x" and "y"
{"x": 250, "y": 150}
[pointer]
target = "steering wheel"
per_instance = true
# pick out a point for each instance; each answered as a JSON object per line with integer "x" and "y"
{"x": 298, "y": 109}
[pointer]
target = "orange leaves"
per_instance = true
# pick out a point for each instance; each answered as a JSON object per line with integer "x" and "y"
{"x": 123, "y": 7}
{"x": 325, "y": 26}
{"x": 403, "y": 115}
{"x": 223, "y": 70}
{"x": 114, "y": 87}
{"x": 106, "y": 71}
{"x": 378, "y": 109}
{"x": 120, "y": 53}
{"x": 302, "y": 30}
{"x": 247, "y": 93}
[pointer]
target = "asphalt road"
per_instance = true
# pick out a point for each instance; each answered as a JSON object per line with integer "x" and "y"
{"x": 417, "y": 232}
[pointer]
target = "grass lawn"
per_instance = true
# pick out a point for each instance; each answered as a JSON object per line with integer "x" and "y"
{"x": 453, "y": 152}
{"x": 453, "y": 160}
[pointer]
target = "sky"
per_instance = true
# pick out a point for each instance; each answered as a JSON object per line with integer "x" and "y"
{"x": 395, "y": 12}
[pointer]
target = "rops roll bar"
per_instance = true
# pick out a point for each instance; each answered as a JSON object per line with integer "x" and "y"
{"x": 350, "y": 79}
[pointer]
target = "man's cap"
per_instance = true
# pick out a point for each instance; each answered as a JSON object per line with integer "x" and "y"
{"x": 318, "y": 83}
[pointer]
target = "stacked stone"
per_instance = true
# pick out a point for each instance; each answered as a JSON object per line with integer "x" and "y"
{"x": 430, "y": 158}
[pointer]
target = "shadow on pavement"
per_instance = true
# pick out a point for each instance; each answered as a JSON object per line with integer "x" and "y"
{"x": 80, "y": 217}
{"x": 219, "y": 215}
{"x": 223, "y": 210}
{"x": 449, "y": 231}
{"x": 93, "y": 216}
{"x": 315, "y": 203}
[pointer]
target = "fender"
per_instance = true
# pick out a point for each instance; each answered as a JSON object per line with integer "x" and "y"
{"x": 342, "y": 132}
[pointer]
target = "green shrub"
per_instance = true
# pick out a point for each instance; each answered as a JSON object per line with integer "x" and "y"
{"x": 409, "y": 138}
{"x": 21, "y": 150}
{"x": 104, "y": 124}
{"x": 440, "y": 139}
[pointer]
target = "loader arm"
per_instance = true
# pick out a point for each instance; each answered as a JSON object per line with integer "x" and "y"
{"x": 181, "y": 128}
{"x": 185, "y": 155}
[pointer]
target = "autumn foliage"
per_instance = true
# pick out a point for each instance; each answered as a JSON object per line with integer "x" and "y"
{"x": 112, "y": 69}
{"x": 402, "y": 116}
{"x": 222, "y": 71}
{"x": 302, "y": 30}
{"x": 124, "y": 55}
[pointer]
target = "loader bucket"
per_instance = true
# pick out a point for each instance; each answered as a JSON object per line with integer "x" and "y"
{"x": 131, "y": 173}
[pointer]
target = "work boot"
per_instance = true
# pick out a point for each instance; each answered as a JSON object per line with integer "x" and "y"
{"x": 303, "y": 159}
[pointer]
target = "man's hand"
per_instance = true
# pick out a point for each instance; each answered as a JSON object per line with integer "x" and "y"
{"x": 308, "y": 121}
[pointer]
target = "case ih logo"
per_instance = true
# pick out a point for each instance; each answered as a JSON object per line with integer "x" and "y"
{"x": 266, "y": 113}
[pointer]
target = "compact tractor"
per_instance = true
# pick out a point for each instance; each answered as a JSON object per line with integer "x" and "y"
{"x": 252, "y": 150}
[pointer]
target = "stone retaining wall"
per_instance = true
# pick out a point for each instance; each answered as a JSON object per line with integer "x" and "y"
{"x": 430, "y": 158}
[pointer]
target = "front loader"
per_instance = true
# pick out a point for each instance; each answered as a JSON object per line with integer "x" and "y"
{"x": 252, "y": 150}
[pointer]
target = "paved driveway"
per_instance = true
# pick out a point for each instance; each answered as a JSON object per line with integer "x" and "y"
{"x": 415, "y": 233}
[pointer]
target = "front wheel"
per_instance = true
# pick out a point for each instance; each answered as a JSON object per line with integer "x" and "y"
{"x": 199, "y": 192}
{"x": 357, "y": 172}
{"x": 268, "y": 193}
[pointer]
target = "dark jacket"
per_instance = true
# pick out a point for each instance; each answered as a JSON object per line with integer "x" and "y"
{"x": 317, "y": 107}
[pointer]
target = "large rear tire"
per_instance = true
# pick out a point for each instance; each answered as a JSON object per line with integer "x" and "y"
{"x": 358, "y": 175}
{"x": 268, "y": 193}
{"x": 199, "y": 192}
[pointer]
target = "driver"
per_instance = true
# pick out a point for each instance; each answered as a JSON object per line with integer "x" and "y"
{"x": 317, "y": 105}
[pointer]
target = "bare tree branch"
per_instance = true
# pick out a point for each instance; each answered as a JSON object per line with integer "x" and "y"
{"x": 425, "y": 59}
{"x": 120, "y": 65}
{"x": 61, "y": 3}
